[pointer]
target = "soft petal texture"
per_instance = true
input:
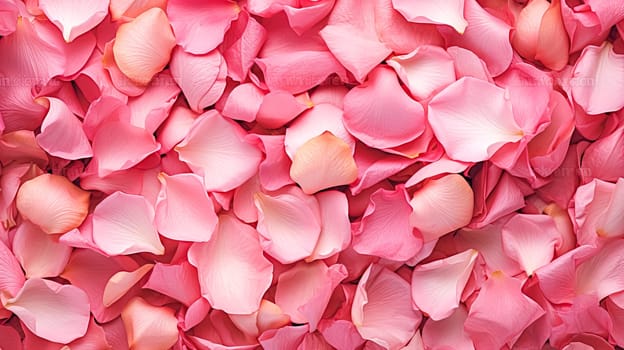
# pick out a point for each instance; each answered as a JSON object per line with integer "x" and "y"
{"x": 289, "y": 222}
{"x": 40, "y": 254}
{"x": 74, "y": 18}
{"x": 449, "y": 200}
{"x": 63, "y": 207}
{"x": 500, "y": 312}
{"x": 303, "y": 291}
{"x": 278, "y": 108}
{"x": 599, "y": 274}
{"x": 11, "y": 275}
{"x": 9, "y": 338}
{"x": 241, "y": 45}
{"x": 352, "y": 38}
{"x": 437, "y": 286}
{"x": 324, "y": 161}
{"x": 605, "y": 157}
{"x": 335, "y": 233}
{"x": 448, "y": 333}
{"x": 471, "y": 131}
{"x": 380, "y": 114}
{"x": 123, "y": 224}
{"x": 166, "y": 279}
{"x": 143, "y": 46}
{"x": 233, "y": 273}
{"x": 425, "y": 70}
{"x": 215, "y": 149}
{"x": 201, "y": 77}
{"x": 382, "y": 308}
{"x": 150, "y": 109}
{"x": 598, "y": 74}
{"x": 44, "y": 307}
{"x": 598, "y": 205}
{"x": 118, "y": 146}
{"x": 8, "y": 17}
{"x": 184, "y": 211}
{"x": 243, "y": 102}
{"x": 530, "y": 240}
{"x": 449, "y": 12}
{"x": 149, "y": 327}
{"x": 385, "y": 230}
{"x": 192, "y": 20}
{"x": 121, "y": 282}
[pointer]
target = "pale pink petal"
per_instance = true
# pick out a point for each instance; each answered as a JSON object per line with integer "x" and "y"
{"x": 166, "y": 279}
{"x": 149, "y": 110}
{"x": 304, "y": 290}
{"x": 149, "y": 327}
{"x": 44, "y": 307}
{"x": 118, "y": 146}
{"x": 598, "y": 74}
{"x": 447, "y": 333}
{"x": 288, "y": 337}
{"x": 599, "y": 275}
{"x": 335, "y": 226}
{"x": 380, "y": 114}
{"x": 233, "y": 273}
{"x": 437, "y": 286}
{"x": 468, "y": 64}
{"x": 486, "y": 35}
{"x": 382, "y": 308}
{"x": 449, "y": 12}
{"x": 500, "y": 312}
{"x": 94, "y": 339}
{"x": 385, "y": 229}
{"x": 441, "y": 206}
{"x": 201, "y": 77}
{"x": 199, "y": 26}
{"x": 40, "y": 254}
{"x": 11, "y": 275}
{"x": 425, "y": 70}
{"x": 441, "y": 166}
{"x": 289, "y": 222}
{"x": 530, "y": 240}
{"x": 329, "y": 94}
{"x": 313, "y": 122}
{"x": 128, "y": 9}
{"x": 352, "y": 37}
{"x": 605, "y": 157}
{"x": 215, "y": 149}
{"x": 184, "y": 211}
{"x": 120, "y": 283}
{"x": 469, "y": 131}
{"x": 278, "y": 108}
{"x": 243, "y": 102}
{"x": 598, "y": 205}
{"x": 241, "y": 45}
{"x": 341, "y": 334}
{"x": 53, "y": 203}
{"x": 143, "y": 46}
{"x": 123, "y": 224}
{"x": 553, "y": 45}
{"x": 74, "y": 18}
{"x": 324, "y": 161}
{"x": 175, "y": 128}
{"x": 62, "y": 134}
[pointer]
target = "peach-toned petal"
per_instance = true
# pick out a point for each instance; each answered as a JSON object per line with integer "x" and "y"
{"x": 324, "y": 161}
{"x": 149, "y": 327}
{"x": 53, "y": 203}
{"x": 449, "y": 200}
{"x": 123, "y": 224}
{"x": 40, "y": 254}
{"x": 143, "y": 46}
{"x": 74, "y": 17}
{"x": 233, "y": 273}
{"x": 553, "y": 45}
{"x": 119, "y": 284}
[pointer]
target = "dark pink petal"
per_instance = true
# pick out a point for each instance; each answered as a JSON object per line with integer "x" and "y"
{"x": 184, "y": 211}
{"x": 288, "y": 337}
{"x": 437, "y": 286}
{"x": 199, "y": 26}
{"x": 215, "y": 149}
{"x": 9, "y": 338}
{"x": 62, "y": 134}
{"x": 274, "y": 170}
{"x": 124, "y": 224}
{"x": 500, "y": 312}
{"x": 53, "y": 203}
{"x": 471, "y": 131}
{"x": 375, "y": 166}
{"x": 449, "y": 12}
{"x": 241, "y": 45}
{"x": 233, "y": 273}
{"x": 175, "y": 128}
{"x": 385, "y": 229}
{"x": 599, "y": 275}
{"x": 148, "y": 326}
{"x": 143, "y": 46}
{"x": 303, "y": 291}
{"x": 289, "y": 222}
{"x": 380, "y": 114}
{"x": 40, "y": 254}
{"x": 279, "y": 108}
{"x": 44, "y": 307}
{"x": 74, "y": 18}
{"x": 341, "y": 334}
{"x": 382, "y": 308}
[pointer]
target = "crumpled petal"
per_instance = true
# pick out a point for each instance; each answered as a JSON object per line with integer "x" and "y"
{"x": 11, "y": 275}
{"x": 149, "y": 327}
{"x": 241, "y": 45}
{"x": 124, "y": 224}
{"x": 380, "y": 114}
{"x": 233, "y": 273}
{"x": 45, "y": 306}
{"x": 470, "y": 131}
{"x": 63, "y": 207}
{"x": 143, "y": 46}
{"x": 74, "y": 18}
{"x": 437, "y": 286}
{"x": 449, "y": 12}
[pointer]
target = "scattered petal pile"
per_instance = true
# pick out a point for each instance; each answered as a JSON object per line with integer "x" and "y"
{"x": 311, "y": 174}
